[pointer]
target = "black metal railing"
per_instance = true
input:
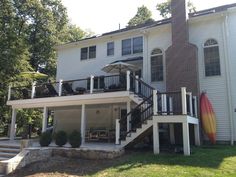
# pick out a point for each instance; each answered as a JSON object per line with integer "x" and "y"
{"x": 21, "y": 92}
{"x": 49, "y": 89}
{"x": 169, "y": 103}
{"x": 138, "y": 116}
{"x": 75, "y": 87}
{"x": 140, "y": 88}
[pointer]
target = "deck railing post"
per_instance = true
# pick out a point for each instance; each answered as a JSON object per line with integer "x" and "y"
{"x": 91, "y": 83}
{"x": 164, "y": 103}
{"x": 33, "y": 89}
{"x": 136, "y": 84}
{"x": 171, "y": 105}
{"x": 9, "y": 92}
{"x": 117, "y": 131}
{"x": 184, "y": 100}
{"x": 195, "y": 106}
{"x": 60, "y": 87}
{"x": 127, "y": 80}
{"x": 190, "y": 103}
{"x": 155, "y": 102}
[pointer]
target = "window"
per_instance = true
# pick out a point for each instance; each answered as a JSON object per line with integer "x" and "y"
{"x": 138, "y": 45}
{"x": 212, "y": 58}
{"x": 126, "y": 47}
{"x": 157, "y": 65}
{"x": 88, "y": 52}
{"x": 110, "y": 48}
{"x": 132, "y": 46}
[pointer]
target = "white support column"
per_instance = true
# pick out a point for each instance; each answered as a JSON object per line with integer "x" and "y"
{"x": 9, "y": 92}
{"x": 155, "y": 102}
{"x": 33, "y": 89}
{"x": 172, "y": 133}
{"x": 195, "y": 106}
{"x": 184, "y": 100}
{"x": 164, "y": 103}
{"x": 171, "y": 105}
{"x": 136, "y": 84}
{"x": 156, "y": 146}
{"x": 117, "y": 131}
{"x": 44, "y": 121}
{"x": 91, "y": 84}
{"x": 197, "y": 135}
{"x": 60, "y": 87}
{"x": 128, "y": 107}
{"x": 186, "y": 142}
{"x": 128, "y": 80}
{"x": 13, "y": 124}
{"x": 83, "y": 124}
{"x": 190, "y": 103}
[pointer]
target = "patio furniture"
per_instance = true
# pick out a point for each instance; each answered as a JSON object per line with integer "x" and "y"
{"x": 25, "y": 93}
{"x": 80, "y": 90}
{"x": 51, "y": 89}
{"x": 68, "y": 89}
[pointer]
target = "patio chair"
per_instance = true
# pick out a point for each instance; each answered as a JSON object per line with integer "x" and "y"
{"x": 25, "y": 93}
{"x": 68, "y": 89}
{"x": 51, "y": 89}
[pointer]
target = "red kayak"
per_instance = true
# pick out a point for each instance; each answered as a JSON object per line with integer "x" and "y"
{"x": 208, "y": 118}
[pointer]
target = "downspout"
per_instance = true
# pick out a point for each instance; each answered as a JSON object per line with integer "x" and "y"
{"x": 228, "y": 76}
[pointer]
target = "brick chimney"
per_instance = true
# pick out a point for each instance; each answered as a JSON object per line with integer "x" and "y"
{"x": 181, "y": 56}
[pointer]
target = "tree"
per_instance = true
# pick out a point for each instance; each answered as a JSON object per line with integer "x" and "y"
{"x": 165, "y": 8}
{"x": 143, "y": 15}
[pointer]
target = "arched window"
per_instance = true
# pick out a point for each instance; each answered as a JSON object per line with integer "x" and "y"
{"x": 211, "y": 58}
{"x": 157, "y": 65}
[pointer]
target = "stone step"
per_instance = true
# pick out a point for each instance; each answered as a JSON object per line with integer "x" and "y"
{"x": 9, "y": 150}
{"x": 10, "y": 146}
{"x": 3, "y": 158}
{"x": 7, "y": 155}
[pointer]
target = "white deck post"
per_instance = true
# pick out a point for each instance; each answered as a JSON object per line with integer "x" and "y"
{"x": 128, "y": 107}
{"x": 172, "y": 133}
{"x": 60, "y": 87}
{"x": 164, "y": 103}
{"x": 44, "y": 121}
{"x": 190, "y": 103}
{"x": 195, "y": 106}
{"x": 155, "y": 102}
{"x": 83, "y": 124}
{"x": 186, "y": 142}
{"x": 9, "y": 92}
{"x": 171, "y": 105}
{"x": 197, "y": 135}
{"x": 156, "y": 146}
{"x": 117, "y": 131}
{"x": 91, "y": 84}
{"x": 127, "y": 80}
{"x": 184, "y": 100}
{"x": 33, "y": 89}
{"x": 13, "y": 124}
{"x": 136, "y": 84}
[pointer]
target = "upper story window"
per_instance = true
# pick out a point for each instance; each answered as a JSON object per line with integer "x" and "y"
{"x": 110, "y": 48}
{"x": 88, "y": 53}
{"x": 157, "y": 65}
{"x": 132, "y": 46}
{"x": 212, "y": 58}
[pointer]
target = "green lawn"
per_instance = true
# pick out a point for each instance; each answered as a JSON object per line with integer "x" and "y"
{"x": 214, "y": 161}
{"x": 217, "y": 161}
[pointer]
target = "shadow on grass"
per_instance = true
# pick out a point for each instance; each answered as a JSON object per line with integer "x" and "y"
{"x": 205, "y": 157}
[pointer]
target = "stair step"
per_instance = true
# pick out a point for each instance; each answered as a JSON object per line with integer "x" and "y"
{"x": 10, "y": 146}
{"x": 7, "y": 155}
{"x": 3, "y": 158}
{"x": 9, "y": 150}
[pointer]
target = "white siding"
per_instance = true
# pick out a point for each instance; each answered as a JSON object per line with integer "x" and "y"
{"x": 215, "y": 86}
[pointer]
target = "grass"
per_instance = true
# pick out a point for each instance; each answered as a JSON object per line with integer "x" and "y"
{"x": 217, "y": 161}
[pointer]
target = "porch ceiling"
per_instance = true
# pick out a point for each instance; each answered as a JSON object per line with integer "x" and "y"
{"x": 98, "y": 98}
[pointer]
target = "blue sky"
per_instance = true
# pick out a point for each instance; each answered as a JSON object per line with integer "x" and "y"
{"x": 102, "y": 16}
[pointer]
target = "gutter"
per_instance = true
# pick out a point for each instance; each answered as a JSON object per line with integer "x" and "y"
{"x": 225, "y": 32}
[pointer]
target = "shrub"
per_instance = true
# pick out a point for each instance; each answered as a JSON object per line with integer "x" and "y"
{"x": 60, "y": 138}
{"x": 75, "y": 139}
{"x": 45, "y": 139}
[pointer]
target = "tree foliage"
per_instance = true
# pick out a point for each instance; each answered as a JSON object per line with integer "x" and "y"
{"x": 165, "y": 8}
{"x": 143, "y": 15}
{"x": 29, "y": 30}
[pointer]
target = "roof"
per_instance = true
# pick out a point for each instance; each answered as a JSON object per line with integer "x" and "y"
{"x": 129, "y": 59}
{"x": 161, "y": 22}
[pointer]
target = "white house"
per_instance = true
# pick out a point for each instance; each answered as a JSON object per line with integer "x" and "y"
{"x": 193, "y": 52}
